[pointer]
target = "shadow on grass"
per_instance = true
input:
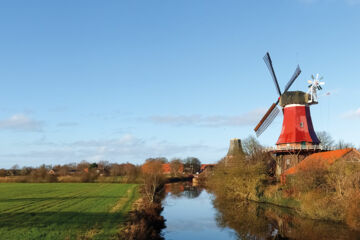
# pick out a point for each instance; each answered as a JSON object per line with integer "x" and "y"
{"x": 60, "y": 220}
{"x": 59, "y": 198}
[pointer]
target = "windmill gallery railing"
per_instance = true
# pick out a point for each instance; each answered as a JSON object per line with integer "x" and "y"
{"x": 297, "y": 148}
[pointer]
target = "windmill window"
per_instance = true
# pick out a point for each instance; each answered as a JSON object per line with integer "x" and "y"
{"x": 287, "y": 162}
{"x": 301, "y": 124}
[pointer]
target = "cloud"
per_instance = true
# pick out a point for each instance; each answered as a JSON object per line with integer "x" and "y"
{"x": 127, "y": 148}
{"x": 21, "y": 122}
{"x": 353, "y": 114}
{"x": 131, "y": 147}
{"x": 249, "y": 118}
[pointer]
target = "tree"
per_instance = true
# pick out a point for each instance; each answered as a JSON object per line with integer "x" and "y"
{"x": 341, "y": 144}
{"x": 325, "y": 139}
{"x": 130, "y": 171}
{"x": 14, "y": 169}
{"x": 192, "y": 165}
{"x": 93, "y": 165}
{"x": 153, "y": 178}
{"x": 115, "y": 170}
{"x": 104, "y": 167}
{"x": 3, "y": 172}
{"x": 176, "y": 167}
{"x": 62, "y": 170}
{"x": 251, "y": 145}
{"x": 82, "y": 165}
{"x": 161, "y": 159}
{"x": 26, "y": 171}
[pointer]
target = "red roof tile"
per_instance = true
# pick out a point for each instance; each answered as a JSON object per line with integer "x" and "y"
{"x": 166, "y": 168}
{"x": 203, "y": 166}
{"x": 319, "y": 160}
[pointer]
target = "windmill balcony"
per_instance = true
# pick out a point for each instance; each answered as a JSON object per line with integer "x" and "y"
{"x": 298, "y": 147}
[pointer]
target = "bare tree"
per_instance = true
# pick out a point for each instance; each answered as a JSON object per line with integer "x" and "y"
{"x": 153, "y": 178}
{"x": 176, "y": 167}
{"x": 192, "y": 165}
{"x": 325, "y": 139}
{"x": 251, "y": 145}
{"x": 341, "y": 144}
{"x": 3, "y": 172}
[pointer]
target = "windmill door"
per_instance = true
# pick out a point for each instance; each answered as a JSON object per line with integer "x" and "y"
{"x": 303, "y": 145}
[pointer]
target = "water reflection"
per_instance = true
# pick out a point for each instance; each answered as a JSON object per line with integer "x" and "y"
{"x": 193, "y": 213}
{"x": 263, "y": 221}
{"x": 190, "y": 214}
{"x": 183, "y": 189}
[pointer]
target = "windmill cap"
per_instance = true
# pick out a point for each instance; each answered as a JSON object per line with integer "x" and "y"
{"x": 294, "y": 97}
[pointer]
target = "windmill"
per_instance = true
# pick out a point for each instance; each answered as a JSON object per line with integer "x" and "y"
{"x": 297, "y": 138}
{"x": 273, "y": 111}
{"x": 315, "y": 85}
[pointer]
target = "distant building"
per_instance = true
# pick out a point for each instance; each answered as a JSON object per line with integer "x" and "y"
{"x": 206, "y": 166}
{"x": 235, "y": 153}
{"x": 166, "y": 168}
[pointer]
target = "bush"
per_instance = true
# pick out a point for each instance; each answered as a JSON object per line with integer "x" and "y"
{"x": 243, "y": 180}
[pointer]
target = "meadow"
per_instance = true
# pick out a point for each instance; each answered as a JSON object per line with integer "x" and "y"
{"x": 64, "y": 210}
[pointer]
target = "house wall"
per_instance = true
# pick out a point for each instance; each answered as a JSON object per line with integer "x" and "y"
{"x": 286, "y": 161}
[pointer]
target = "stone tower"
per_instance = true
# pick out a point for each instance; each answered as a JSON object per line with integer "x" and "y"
{"x": 235, "y": 152}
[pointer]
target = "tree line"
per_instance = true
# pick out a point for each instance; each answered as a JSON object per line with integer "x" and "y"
{"x": 102, "y": 171}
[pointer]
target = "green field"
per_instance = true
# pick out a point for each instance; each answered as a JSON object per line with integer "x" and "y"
{"x": 63, "y": 210}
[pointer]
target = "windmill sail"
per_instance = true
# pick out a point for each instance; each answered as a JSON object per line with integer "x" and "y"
{"x": 293, "y": 78}
{"x": 273, "y": 111}
{"x": 268, "y": 62}
{"x": 267, "y": 119}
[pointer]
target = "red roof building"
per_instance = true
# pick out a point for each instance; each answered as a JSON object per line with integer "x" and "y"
{"x": 204, "y": 166}
{"x": 166, "y": 167}
{"x": 324, "y": 159}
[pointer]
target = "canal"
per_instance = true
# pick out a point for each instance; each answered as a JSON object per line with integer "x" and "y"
{"x": 194, "y": 213}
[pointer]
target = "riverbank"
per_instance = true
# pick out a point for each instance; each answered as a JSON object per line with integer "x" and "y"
{"x": 331, "y": 195}
{"x": 144, "y": 221}
{"x": 194, "y": 212}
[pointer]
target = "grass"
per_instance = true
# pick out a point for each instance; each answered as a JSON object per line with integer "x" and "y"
{"x": 64, "y": 210}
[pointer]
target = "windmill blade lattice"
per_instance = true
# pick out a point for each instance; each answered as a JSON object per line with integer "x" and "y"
{"x": 293, "y": 78}
{"x": 273, "y": 111}
{"x": 268, "y": 62}
{"x": 270, "y": 118}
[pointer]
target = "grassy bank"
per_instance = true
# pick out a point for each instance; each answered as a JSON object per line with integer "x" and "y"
{"x": 64, "y": 210}
{"x": 331, "y": 194}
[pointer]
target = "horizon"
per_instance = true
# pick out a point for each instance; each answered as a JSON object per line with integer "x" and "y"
{"x": 124, "y": 81}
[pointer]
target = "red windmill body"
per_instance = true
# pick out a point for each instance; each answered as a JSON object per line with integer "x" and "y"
{"x": 297, "y": 126}
{"x": 297, "y": 138}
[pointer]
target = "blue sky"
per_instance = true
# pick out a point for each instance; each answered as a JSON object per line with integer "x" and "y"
{"x": 127, "y": 80}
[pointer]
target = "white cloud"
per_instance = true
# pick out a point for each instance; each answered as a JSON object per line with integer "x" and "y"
{"x": 127, "y": 148}
{"x": 21, "y": 122}
{"x": 353, "y": 114}
{"x": 249, "y": 118}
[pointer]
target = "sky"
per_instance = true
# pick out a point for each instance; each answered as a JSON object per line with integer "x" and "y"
{"x": 123, "y": 81}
